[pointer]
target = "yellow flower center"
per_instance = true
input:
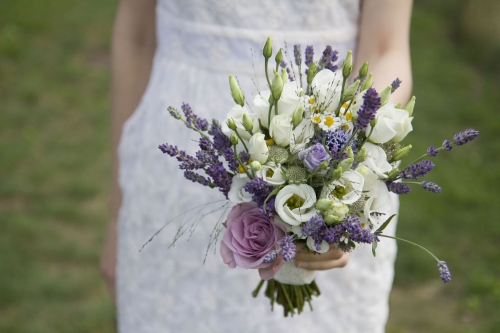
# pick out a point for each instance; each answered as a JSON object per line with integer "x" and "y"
{"x": 317, "y": 119}
{"x": 346, "y": 127}
{"x": 295, "y": 202}
{"x": 345, "y": 105}
{"x": 311, "y": 100}
{"x": 329, "y": 121}
{"x": 270, "y": 142}
{"x": 269, "y": 173}
{"x": 348, "y": 115}
{"x": 240, "y": 169}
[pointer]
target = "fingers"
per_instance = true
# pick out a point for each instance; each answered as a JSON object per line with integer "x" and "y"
{"x": 333, "y": 258}
{"x": 331, "y": 254}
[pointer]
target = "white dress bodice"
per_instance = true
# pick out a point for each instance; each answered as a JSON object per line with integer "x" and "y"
{"x": 161, "y": 289}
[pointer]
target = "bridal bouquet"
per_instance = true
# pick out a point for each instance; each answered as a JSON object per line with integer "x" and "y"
{"x": 306, "y": 163}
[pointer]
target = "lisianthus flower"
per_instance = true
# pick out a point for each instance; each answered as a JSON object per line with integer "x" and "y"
{"x": 295, "y": 203}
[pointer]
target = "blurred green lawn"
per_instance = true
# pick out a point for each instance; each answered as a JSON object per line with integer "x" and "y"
{"x": 55, "y": 167}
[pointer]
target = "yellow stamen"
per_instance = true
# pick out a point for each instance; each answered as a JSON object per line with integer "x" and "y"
{"x": 329, "y": 121}
{"x": 363, "y": 225}
{"x": 313, "y": 108}
{"x": 269, "y": 173}
{"x": 346, "y": 127}
{"x": 345, "y": 105}
{"x": 270, "y": 142}
{"x": 317, "y": 119}
{"x": 311, "y": 100}
{"x": 240, "y": 169}
{"x": 348, "y": 115}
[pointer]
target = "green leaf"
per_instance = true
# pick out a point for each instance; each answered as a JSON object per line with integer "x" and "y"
{"x": 374, "y": 247}
{"x": 385, "y": 224}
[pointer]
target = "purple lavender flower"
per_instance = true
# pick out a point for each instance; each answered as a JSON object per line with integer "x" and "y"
{"x": 444, "y": 272}
{"x": 194, "y": 177}
{"x": 447, "y": 145}
{"x": 168, "y": 149}
{"x": 337, "y": 139}
{"x": 174, "y": 113}
{"x": 431, "y": 187}
{"x": 313, "y": 156}
{"x": 395, "y": 84}
{"x": 350, "y": 231}
{"x": 465, "y": 136}
{"x": 297, "y": 54}
{"x": 288, "y": 248}
{"x": 259, "y": 189}
{"x": 419, "y": 169}
{"x": 244, "y": 156}
{"x": 371, "y": 103}
{"x": 309, "y": 55}
{"x": 188, "y": 162}
{"x": 221, "y": 141}
{"x": 271, "y": 256}
{"x": 220, "y": 177}
{"x": 192, "y": 119}
{"x": 230, "y": 158}
{"x": 315, "y": 228}
{"x": 288, "y": 71}
{"x": 432, "y": 151}
{"x": 398, "y": 188}
{"x": 329, "y": 56}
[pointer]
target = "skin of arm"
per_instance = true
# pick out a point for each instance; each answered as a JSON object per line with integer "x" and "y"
{"x": 132, "y": 52}
{"x": 383, "y": 42}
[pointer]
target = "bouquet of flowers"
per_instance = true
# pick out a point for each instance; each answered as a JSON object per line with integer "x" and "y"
{"x": 310, "y": 162}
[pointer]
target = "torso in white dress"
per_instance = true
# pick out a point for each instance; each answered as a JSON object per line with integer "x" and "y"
{"x": 201, "y": 42}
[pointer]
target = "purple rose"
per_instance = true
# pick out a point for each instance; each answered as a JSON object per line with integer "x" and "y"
{"x": 313, "y": 156}
{"x": 249, "y": 237}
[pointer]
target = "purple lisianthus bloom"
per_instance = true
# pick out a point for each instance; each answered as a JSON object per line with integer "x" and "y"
{"x": 249, "y": 238}
{"x": 313, "y": 156}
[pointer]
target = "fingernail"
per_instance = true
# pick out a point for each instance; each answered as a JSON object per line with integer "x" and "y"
{"x": 302, "y": 264}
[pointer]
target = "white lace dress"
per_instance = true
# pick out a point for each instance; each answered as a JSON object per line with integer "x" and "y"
{"x": 200, "y": 42}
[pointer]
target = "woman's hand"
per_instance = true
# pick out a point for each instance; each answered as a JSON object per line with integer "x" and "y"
{"x": 333, "y": 258}
{"x": 108, "y": 259}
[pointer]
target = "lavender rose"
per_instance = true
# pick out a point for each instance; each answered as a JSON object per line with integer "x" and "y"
{"x": 249, "y": 237}
{"x": 313, "y": 156}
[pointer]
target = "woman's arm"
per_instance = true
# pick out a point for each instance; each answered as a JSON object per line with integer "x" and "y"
{"x": 132, "y": 51}
{"x": 384, "y": 42}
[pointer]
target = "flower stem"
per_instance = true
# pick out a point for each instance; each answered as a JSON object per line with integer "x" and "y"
{"x": 407, "y": 241}
{"x": 241, "y": 163}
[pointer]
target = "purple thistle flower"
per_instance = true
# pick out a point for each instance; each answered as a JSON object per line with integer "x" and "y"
{"x": 432, "y": 151}
{"x": 271, "y": 256}
{"x": 259, "y": 189}
{"x": 194, "y": 177}
{"x": 431, "y": 187}
{"x": 288, "y": 248}
{"x": 168, "y": 149}
{"x": 447, "y": 145}
{"x": 335, "y": 140}
{"x": 309, "y": 55}
{"x": 395, "y": 84}
{"x": 413, "y": 171}
{"x": 297, "y": 54}
{"x": 465, "y": 136}
{"x": 398, "y": 188}
{"x": 444, "y": 272}
{"x": 371, "y": 103}
{"x": 315, "y": 228}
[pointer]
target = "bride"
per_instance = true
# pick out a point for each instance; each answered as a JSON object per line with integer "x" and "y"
{"x": 167, "y": 52}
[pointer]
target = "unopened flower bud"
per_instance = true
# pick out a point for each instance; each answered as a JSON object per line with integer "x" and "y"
{"x": 363, "y": 70}
{"x": 398, "y": 106}
{"x": 337, "y": 173}
{"x": 346, "y": 164}
{"x": 361, "y": 155}
{"x": 231, "y": 124}
{"x": 297, "y": 116}
{"x": 409, "y": 107}
{"x": 267, "y": 51}
{"x": 247, "y": 122}
{"x": 313, "y": 70}
{"x": 174, "y": 113}
{"x": 350, "y": 154}
{"x": 393, "y": 173}
{"x": 284, "y": 76}
{"x": 255, "y": 165}
{"x": 373, "y": 122}
{"x": 324, "y": 204}
{"x": 400, "y": 153}
{"x": 385, "y": 95}
{"x": 347, "y": 67}
{"x": 331, "y": 219}
{"x": 276, "y": 86}
{"x": 279, "y": 57}
{"x": 350, "y": 91}
{"x": 236, "y": 92}
{"x": 368, "y": 83}
{"x": 234, "y": 139}
{"x": 323, "y": 165}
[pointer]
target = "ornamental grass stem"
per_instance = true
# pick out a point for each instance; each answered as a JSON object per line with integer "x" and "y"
{"x": 407, "y": 241}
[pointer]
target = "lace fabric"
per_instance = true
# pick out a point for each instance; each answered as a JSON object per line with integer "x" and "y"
{"x": 163, "y": 289}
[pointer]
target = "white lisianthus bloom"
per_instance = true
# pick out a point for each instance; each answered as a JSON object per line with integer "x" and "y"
{"x": 295, "y": 203}
{"x": 376, "y": 160}
{"x": 257, "y": 148}
{"x": 390, "y": 123}
{"x": 379, "y": 204}
{"x": 287, "y": 104}
{"x": 326, "y": 89}
{"x": 346, "y": 190}
{"x": 301, "y": 135}
{"x": 281, "y": 129}
{"x": 273, "y": 174}
{"x": 236, "y": 114}
{"x": 323, "y": 247}
{"x": 237, "y": 194}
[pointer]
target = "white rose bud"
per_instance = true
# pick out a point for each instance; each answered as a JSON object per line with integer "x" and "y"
{"x": 281, "y": 129}
{"x": 258, "y": 148}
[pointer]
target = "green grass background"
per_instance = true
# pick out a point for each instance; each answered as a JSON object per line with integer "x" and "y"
{"x": 55, "y": 169}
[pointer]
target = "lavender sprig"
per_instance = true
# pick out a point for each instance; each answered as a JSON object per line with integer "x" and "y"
{"x": 288, "y": 248}
{"x": 465, "y": 136}
{"x": 371, "y": 103}
{"x": 431, "y": 187}
{"x": 398, "y": 188}
{"x": 395, "y": 85}
{"x": 444, "y": 272}
{"x": 416, "y": 170}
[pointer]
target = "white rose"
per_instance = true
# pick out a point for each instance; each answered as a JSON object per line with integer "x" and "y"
{"x": 376, "y": 160}
{"x": 257, "y": 148}
{"x": 403, "y": 129}
{"x": 295, "y": 203}
{"x": 326, "y": 88}
{"x": 379, "y": 204}
{"x": 301, "y": 135}
{"x": 273, "y": 174}
{"x": 281, "y": 129}
{"x": 287, "y": 104}
{"x": 236, "y": 114}
{"x": 323, "y": 247}
{"x": 389, "y": 121}
{"x": 345, "y": 191}
{"x": 237, "y": 194}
